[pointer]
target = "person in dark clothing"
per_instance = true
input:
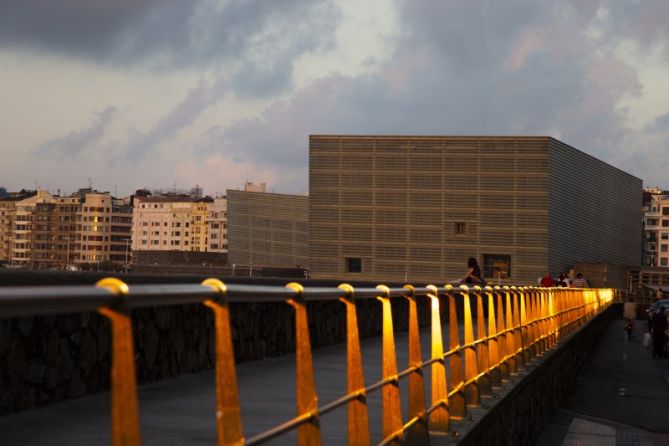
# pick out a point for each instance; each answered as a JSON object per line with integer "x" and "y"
{"x": 659, "y": 338}
{"x": 473, "y": 276}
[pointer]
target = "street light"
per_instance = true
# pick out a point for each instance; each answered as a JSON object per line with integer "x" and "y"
{"x": 127, "y": 246}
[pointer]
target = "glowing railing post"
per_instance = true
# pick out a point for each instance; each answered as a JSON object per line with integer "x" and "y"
{"x": 308, "y": 433}
{"x": 518, "y": 340}
{"x": 457, "y": 399}
{"x": 228, "y": 413}
{"x": 472, "y": 393}
{"x": 358, "y": 417}
{"x": 493, "y": 343}
{"x": 440, "y": 417}
{"x": 482, "y": 351}
{"x": 124, "y": 405}
{"x": 511, "y": 345}
{"x": 417, "y": 433}
{"x": 390, "y": 393}
{"x": 503, "y": 337}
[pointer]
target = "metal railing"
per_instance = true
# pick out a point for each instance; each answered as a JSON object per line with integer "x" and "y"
{"x": 520, "y": 324}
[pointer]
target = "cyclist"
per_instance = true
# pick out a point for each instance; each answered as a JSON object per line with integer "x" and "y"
{"x": 629, "y": 314}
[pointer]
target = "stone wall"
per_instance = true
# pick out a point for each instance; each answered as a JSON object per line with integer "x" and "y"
{"x": 49, "y": 359}
{"x": 522, "y": 414}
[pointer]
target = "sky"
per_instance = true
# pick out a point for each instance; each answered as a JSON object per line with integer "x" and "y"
{"x": 161, "y": 93}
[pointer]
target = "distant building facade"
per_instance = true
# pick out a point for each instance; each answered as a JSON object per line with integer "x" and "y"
{"x": 416, "y": 208}
{"x": 266, "y": 229}
{"x": 656, "y": 227}
{"x": 40, "y": 230}
{"x": 179, "y": 223}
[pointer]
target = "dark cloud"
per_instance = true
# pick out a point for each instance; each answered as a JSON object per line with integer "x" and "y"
{"x": 256, "y": 41}
{"x": 78, "y": 142}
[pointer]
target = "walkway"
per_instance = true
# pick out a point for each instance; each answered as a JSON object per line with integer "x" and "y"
{"x": 621, "y": 398}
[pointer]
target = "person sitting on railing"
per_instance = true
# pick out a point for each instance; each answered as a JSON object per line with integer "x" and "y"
{"x": 473, "y": 276}
{"x": 547, "y": 280}
{"x": 580, "y": 282}
{"x": 563, "y": 280}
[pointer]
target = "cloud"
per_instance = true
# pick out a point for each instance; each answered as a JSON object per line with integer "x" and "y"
{"x": 491, "y": 67}
{"x": 78, "y": 142}
{"x": 255, "y": 41}
{"x": 185, "y": 113}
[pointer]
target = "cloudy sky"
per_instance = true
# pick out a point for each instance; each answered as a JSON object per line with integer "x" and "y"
{"x": 152, "y": 93}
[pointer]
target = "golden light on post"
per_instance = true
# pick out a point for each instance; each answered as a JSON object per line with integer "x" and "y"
{"x": 493, "y": 342}
{"x": 308, "y": 433}
{"x": 472, "y": 394}
{"x": 417, "y": 433}
{"x": 228, "y": 412}
{"x": 390, "y": 393}
{"x": 457, "y": 393}
{"x": 358, "y": 418}
{"x": 482, "y": 358}
{"x": 125, "y": 406}
{"x": 440, "y": 417}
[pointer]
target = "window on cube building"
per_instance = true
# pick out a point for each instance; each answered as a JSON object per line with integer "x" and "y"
{"x": 496, "y": 266}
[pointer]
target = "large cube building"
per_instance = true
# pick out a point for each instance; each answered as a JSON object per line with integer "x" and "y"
{"x": 417, "y": 207}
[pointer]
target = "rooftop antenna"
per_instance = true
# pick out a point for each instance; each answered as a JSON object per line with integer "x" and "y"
{"x": 115, "y": 191}
{"x": 90, "y": 183}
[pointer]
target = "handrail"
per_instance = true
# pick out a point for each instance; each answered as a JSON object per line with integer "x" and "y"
{"x": 521, "y": 324}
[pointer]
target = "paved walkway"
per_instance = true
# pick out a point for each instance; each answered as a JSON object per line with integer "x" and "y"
{"x": 621, "y": 398}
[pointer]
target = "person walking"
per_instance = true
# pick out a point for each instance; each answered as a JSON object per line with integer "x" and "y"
{"x": 629, "y": 314}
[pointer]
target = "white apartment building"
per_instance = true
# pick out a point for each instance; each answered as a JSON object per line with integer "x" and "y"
{"x": 656, "y": 227}
{"x": 179, "y": 223}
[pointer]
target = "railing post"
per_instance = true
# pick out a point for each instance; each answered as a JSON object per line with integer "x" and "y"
{"x": 418, "y": 432}
{"x": 309, "y": 433}
{"x": 124, "y": 405}
{"x": 493, "y": 343}
{"x": 440, "y": 417}
{"x": 228, "y": 412}
{"x": 482, "y": 352}
{"x": 390, "y": 393}
{"x": 518, "y": 327}
{"x": 524, "y": 329}
{"x": 457, "y": 400}
{"x": 472, "y": 393}
{"x": 502, "y": 338}
{"x": 358, "y": 418}
{"x": 545, "y": 322}
{"x": 511, "y": 345}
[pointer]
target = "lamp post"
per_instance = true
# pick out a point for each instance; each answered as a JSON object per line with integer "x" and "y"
{"x": 127, "y": 247}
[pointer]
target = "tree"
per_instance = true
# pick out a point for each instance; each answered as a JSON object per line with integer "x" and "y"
{"x": 3, "y": 192}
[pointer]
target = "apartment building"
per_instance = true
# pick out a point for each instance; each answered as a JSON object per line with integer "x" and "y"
{"x": 267, "y": 229}
{"x": 42, "y": 230}
{"x": 656, "y": 227}
{"x": 417, "y": 207}
{"x": 179, "y": 223}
